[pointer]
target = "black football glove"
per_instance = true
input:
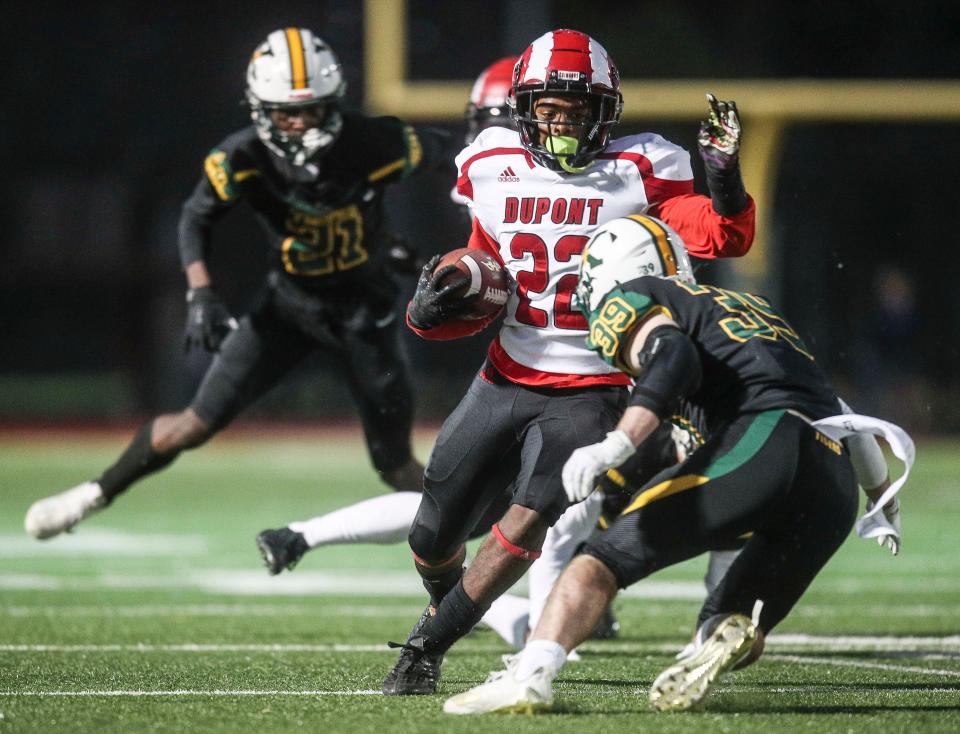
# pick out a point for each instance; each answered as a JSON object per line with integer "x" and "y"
{"x": 208, "y": 320}
{"x": 719, "y": 146}
{"x": 719, "y": 138}
{"x": 435, "y": 300}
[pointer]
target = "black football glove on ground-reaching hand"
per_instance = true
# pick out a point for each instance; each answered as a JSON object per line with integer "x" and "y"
{"x": 434, "y": 300}
{"x": 208, "y": 320}
{"x": 718, "y": 143}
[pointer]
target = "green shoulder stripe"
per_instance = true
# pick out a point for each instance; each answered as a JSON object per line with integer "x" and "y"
{"x": 413, "y": 154}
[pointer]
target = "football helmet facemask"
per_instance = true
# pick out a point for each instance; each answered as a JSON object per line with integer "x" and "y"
{"x": 296, "y": 73}
{"x": 627, "y": 248}
{"x": 488, "y": 99}
{"x": 567, "y": 64}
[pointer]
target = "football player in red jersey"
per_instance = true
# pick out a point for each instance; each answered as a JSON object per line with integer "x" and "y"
{"x": 536, "y": 194}
{"x": 315, "y": 175}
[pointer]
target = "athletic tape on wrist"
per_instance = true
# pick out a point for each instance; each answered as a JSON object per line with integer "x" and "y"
{"x": 516, "y": 550}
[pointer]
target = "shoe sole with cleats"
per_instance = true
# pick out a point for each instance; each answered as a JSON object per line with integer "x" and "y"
{"x": 687, "y": 682}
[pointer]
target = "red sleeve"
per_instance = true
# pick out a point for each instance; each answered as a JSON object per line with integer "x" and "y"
{"x": 707, "y": 234}
{"x": 457, "y": 328}
{"x": 480, "y": 240}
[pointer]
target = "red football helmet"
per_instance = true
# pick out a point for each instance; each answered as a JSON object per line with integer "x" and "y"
{"x": 566, "y": 63}
{"x": 488, "y": 100}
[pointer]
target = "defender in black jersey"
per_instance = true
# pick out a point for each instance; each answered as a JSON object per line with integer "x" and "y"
{"x": 763, "y": 474}
{"x": 314, "y": 175}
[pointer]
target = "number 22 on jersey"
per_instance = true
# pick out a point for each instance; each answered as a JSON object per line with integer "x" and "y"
{"x": 534, "y": 283}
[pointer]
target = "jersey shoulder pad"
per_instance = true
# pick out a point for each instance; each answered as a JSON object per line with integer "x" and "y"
{"x": 619, "y": 313}
{"x": 231, "y": 163}
{"x": 488, "y": 142}
{"x": 667, "y": 160}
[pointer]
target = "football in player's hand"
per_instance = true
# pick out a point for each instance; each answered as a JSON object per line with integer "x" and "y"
{"x": 487, "y": 286}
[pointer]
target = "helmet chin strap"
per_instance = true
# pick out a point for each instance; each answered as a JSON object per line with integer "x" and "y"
{"x": 312, "y": 141}
{"x": 564, "y": 147}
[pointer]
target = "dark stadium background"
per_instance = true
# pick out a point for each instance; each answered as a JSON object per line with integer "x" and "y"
{"x": 108, "y": 112}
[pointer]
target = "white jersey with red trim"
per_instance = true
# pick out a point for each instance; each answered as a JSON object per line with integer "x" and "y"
{"x": 537, "y": 222}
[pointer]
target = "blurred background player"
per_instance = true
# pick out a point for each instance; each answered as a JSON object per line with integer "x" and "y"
{"x": 768, "y": 470}
{"x": 488, "y": 99}
{"x": 314, "y": 174}
{"x": 387, "y": 519}
{"x": 536, "y": 196}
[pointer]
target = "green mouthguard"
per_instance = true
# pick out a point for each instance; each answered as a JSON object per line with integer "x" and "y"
{"x": 564, "y": 147}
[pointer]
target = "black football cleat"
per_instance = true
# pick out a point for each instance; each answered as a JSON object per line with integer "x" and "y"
{"x": 416, "y": 672}
{"x": 607, "y": 627}
{"x": 281, "y": 549}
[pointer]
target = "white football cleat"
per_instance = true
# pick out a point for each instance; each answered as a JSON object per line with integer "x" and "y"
{"x": 58, "y": 513}
{"x": 688, "y": 681}
{"x": 504, "y": 694}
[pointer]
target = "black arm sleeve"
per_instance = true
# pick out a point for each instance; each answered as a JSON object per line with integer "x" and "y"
{"x": 727, "y": 193}
{"x": 199, "y": 212}
{"x": 670, "y": 369}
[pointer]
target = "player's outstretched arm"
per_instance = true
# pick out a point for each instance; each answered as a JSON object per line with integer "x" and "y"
{"x": 873, "y": 476}
{"x": 667, "y": 367}
{"x": 723, "y": 224}
{"x": 718, "y": 143}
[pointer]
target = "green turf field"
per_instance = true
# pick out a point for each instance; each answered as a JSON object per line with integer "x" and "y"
{"x": 156, "y": 615}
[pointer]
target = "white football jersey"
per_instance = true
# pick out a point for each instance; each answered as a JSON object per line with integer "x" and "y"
{"x": 538, "y": 221}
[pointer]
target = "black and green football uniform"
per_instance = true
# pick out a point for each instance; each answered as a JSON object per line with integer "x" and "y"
{"x": 324, "y": 221}
{"x": 331, "y": 283}
{"x": 763, "y": 473}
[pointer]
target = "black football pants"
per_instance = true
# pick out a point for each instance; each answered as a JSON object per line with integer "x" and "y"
{"x": 505, "y": 436}
{"x": 279, "y": 335}
{"x": 769, "y": 477}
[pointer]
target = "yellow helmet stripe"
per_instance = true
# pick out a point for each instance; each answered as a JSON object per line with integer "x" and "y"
{"x": 659, "y": 235}
{"x": 298, "y": 62}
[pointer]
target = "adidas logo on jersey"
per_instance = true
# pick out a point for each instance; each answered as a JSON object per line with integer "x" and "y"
{"x": 508, "y": 176}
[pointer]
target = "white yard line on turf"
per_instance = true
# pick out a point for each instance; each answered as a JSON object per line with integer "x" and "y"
{"x": 345, "y": 582}
{"x": 191, "y": 647}
{"x": 921, "y": 646}
{"x": 845, "y": 663}
{"x": 104, "y": 542}
{"x": 212, "y": 610}
{"x": 863, "y": 642}
{"x": 390, "y": 610}
{"x": 137, "y": 694}
{"x": 382, "y": 583}
{"x": 187, "y": 692}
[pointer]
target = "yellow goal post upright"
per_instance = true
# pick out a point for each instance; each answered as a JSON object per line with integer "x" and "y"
{"x": 768, "y": 106}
